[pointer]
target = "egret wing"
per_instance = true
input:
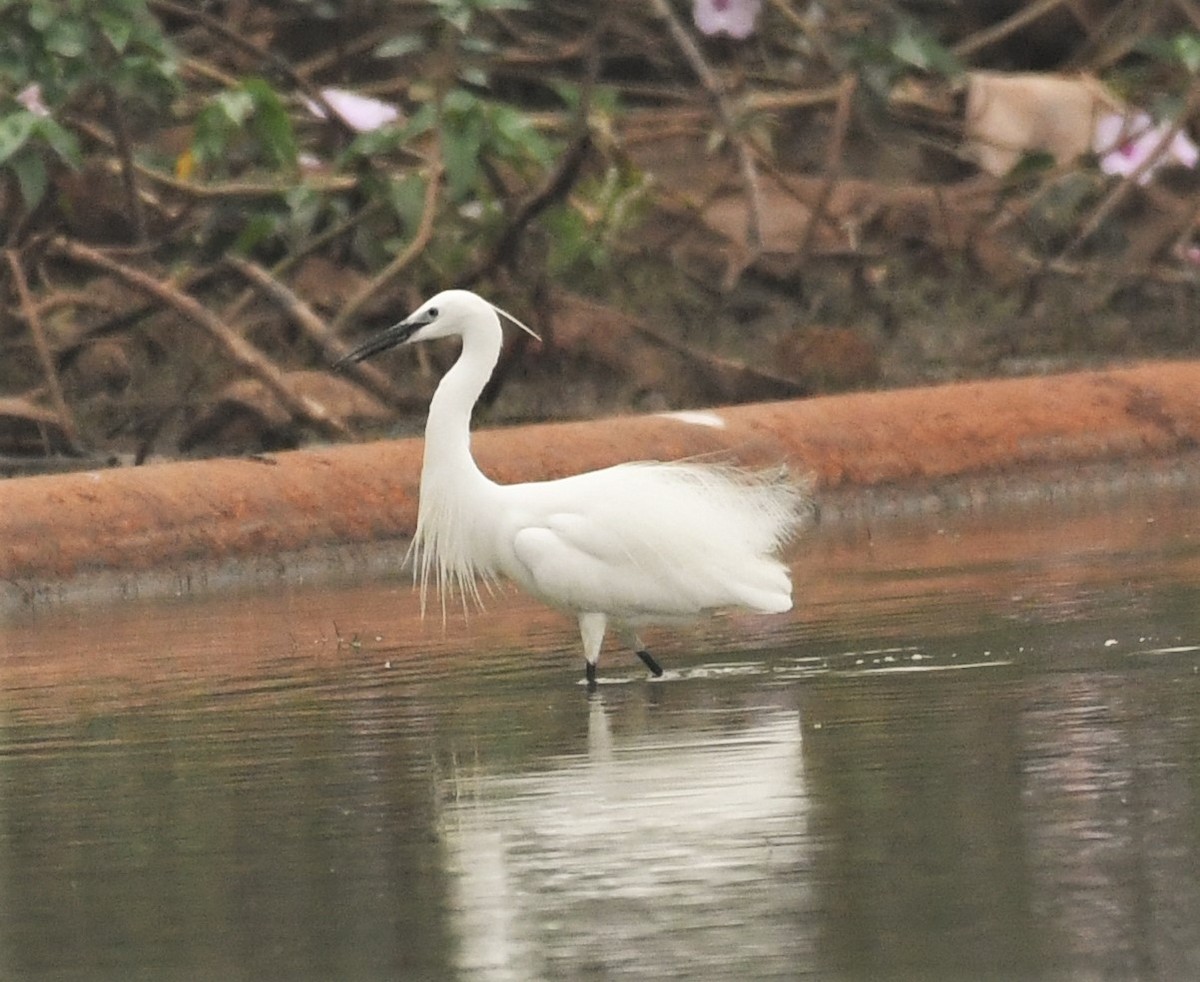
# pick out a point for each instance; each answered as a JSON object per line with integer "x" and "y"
{"x": 645, "y": 540}
{"x": 573, "y": 563}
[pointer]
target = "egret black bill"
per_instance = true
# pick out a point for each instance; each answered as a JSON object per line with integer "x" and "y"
{"x": 390, "y": 337}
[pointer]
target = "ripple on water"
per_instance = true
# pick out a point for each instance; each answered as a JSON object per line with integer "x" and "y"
{"x": 320, "y": 784}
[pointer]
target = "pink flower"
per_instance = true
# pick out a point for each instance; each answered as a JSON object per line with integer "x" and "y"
{"x": 733, "y": 17}
{"x": 1124, "y": 143}
{"x": 361, "y": 113}
{"x": 1190, "y": 254}
{"x": 31, "y": 98}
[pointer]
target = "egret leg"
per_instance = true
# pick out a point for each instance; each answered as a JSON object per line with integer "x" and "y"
{"x": 650, "y": 661}
{"x": 591, "y": 629}
{"x": 640, "y": 649}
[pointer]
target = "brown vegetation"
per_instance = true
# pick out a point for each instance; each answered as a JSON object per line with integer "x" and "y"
{"x": 686, "y": 220}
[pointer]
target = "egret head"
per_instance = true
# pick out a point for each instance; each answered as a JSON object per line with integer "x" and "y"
{"x": 450, "y": 313}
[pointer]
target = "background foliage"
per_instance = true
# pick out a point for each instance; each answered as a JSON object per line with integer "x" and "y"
{"x": 194, "y": 231}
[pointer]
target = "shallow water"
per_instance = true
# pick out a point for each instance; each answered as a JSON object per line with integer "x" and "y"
{"x": 973, "y": 752}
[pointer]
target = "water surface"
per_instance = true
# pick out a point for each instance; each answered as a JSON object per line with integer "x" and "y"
{"x": 972, "y": 752}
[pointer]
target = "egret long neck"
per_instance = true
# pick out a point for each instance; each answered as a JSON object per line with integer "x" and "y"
{"x": 453, "y": 545}
{"x": 448, "y": 429}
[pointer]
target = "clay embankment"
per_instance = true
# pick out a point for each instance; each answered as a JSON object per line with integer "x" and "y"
{"x": 196, "y": 525}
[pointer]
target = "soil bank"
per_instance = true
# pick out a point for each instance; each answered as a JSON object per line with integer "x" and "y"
{"x": 197, "y": 525}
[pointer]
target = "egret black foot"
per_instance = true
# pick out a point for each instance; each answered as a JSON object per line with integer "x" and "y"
{"x": 654, "y": 666}
{"x": 590, "y": 672}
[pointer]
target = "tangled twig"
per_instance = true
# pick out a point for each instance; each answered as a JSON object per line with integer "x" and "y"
{"x": 236, "y": 348}
{"x": 33, "y": 320}
{"x": 317, "y": 331}
{"x": 402, "y": 260}
{"x": 712, "y": 85}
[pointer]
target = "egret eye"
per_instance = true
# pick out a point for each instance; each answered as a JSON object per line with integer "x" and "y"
{"x": 432, "y": 312}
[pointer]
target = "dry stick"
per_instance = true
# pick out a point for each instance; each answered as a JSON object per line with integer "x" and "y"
{"x": 1118, "y": 194}
{"x": 560, "y": 181}
{"x": 1190, "y": 12}
{"x": 1112, "y": 272}
{"x": 237, "y": 349}
{"x": 207, "y": 72}
{"x": 227, "y": 189}
{"x": 721, "y": 368}
{"x": 799, "y": 99}
{"x": 402, "y": 261}
{"x": 317, "y": 331}
{"x": 232, "y": 312}
{"x": 833, "y": 163}
{"x": 249, "y": 189}
{"x": 1184, "y": 240}
{"x": 712, "y": 84}
{"x": 331, "y": 57}
{"x": 87, "y": 299}
{"x": 553, "y": 189}
{"x": 29, "y": 311}
{"x": 1010, "y": 25}
{"x": 218, "y": 27}
{"x": 810, "y": 28}
{"x": 1111, "y": 38}
{"x": 1142, "y": 267}
{"x": 128, "y": 173}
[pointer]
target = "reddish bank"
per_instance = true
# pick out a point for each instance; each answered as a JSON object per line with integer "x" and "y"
{"x": 134, "y": 520}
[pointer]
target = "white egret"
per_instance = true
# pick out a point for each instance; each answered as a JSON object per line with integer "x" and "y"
{"x": 632, "y": 544}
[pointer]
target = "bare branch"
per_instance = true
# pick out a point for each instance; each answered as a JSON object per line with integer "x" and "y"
{"x": 402, "y": 261}
{"x": 236, "y": 348}
{"x": 712, "y": 84}
{"x": 1118, "y": 194}
{"x": 30, "y": 313}
{"x": 317, "y": 331}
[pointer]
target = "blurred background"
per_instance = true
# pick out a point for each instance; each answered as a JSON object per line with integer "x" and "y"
{"x": 703, "y": 202}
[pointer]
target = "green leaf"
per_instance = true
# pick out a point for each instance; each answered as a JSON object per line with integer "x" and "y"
{"x": 15, "y": 129}
{"x": 236, "y": 104}
{"x": 374, "y": 143}
{"x": 407, "y": 199}
{"x": 457, "y": 13}
{"x": 388, "y": 138}
{"x": 211, "y": 133}
{"x": 1186, "y": 47}
{"x": 66, "y": 37}
{"x": 473, "y": 75}
{"x": 41, "y": 16}
{"x": 272, "y": 124}
{"x": 255, "y": 112}
{"x": 257, "y": 229}
{"x": 460, "y": 154}
{"x": 61, "y": 140}
{"x": 603, "y": 98}
{"x": 1034, "y": 164}
{"x": 913, "y": 47}
{"x": 478, "y": 46}
{"x": 31, "y": 177}
{"x": 460, "y": 102}
{"x": 399, "y": 46}
{"x": 118, "y": 28}
{"x": 304, "y": 207}
{"x": 420, "y": 123}
{"x": 907, "y": 49}
{"x": 517, "y": 138}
